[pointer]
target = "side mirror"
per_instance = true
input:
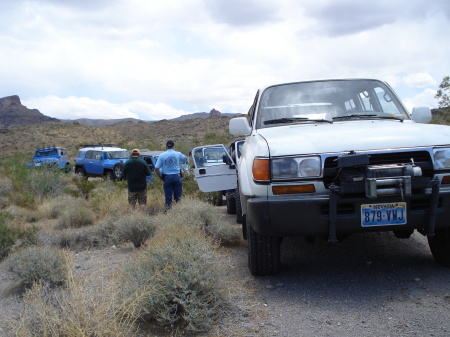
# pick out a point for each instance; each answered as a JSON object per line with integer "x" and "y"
{"x": 421, "y": 114}
{"x": 239, "y": 126}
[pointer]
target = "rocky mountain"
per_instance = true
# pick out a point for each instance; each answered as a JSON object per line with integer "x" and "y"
{"x": 13, "y": 112}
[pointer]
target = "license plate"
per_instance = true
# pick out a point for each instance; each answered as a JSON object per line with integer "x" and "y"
{"x": 383, "y": 214}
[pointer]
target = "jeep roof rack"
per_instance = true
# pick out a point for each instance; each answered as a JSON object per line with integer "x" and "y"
{"x": 100, "y": 145}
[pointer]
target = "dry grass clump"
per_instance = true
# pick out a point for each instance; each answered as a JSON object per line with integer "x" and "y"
{"x": 176, "y": 281}
{"x": 75, "y": 217}
{"x": 54, "y": 208}
{"x": 136, "y": 228}
{"x": 203, "y": 215}
{"x": 45, "y": 265}
{"x": 75, "y": 311}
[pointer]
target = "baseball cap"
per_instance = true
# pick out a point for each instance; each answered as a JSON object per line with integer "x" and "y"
{"x": 170, "y": 143}
{"x": 135, "y": 153}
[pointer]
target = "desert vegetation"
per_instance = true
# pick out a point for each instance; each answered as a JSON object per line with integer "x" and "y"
{"x": 173, "y": 280}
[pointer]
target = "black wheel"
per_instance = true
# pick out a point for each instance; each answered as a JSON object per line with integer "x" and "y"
{"x": 231, "y": 203}
{"x": 117, "y": 171}
{"x": 244, "y": 228}
{"x": 237, "y": 197}
{"x": 263, "y": 253}
{"x": 440, "y": 246}
{"x": 81, "y": 173}
{"x": 67, "y": 168}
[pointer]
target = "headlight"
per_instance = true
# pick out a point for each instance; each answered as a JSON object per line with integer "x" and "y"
{"x": 296, "y": 167}
{"x": 441, "y": 158}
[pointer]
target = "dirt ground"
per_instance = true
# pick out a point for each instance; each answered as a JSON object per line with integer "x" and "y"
{"x": 367, "y": 285}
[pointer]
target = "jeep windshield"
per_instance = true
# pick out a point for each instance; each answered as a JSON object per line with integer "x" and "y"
{"x": 123, "y": 154}
{"x": 327, "y": 102}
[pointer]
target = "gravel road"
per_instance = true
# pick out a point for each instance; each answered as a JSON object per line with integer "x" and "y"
{"x": 367, "y": 285}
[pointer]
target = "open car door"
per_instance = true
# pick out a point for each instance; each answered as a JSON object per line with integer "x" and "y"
{"x": 214, "y": 169}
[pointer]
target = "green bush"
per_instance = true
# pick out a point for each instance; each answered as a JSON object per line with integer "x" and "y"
{"x": 176, "y": 281}
{"x": 46, "y": 182}
{"x": 39, "y": 264}
{"x": 75, "y": 217}
{"x": 136, "y": 228}
{"x": 7, "y": 239}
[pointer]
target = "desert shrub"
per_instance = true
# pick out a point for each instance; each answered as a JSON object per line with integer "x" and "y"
{"x": 39, "y": 264}
{"x": 136, "y": 228}
{"x": 176, "y": 281}
{"x": 201, "y": 214}
{"x": 7, "y": 239}
{"x": 109, "y": 199}
{"x": 75, "y": 217}
{"x": 54, "y": 208}
{"x": 102, "y": 234}
{"x": 46, "y": 182}
{"x": 84, "y": 187}
{"x": 73, "y": 312}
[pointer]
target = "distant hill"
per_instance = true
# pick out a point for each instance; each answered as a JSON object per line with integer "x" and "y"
{"x": 105, "y": 122}
{"x": 100, "y": 122}
{"x": 12, "y": 112}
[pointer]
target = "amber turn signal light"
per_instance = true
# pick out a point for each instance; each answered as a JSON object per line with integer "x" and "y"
{"x": 295, "y": 189}
{"x": 261, "y": 169}
{"x": 445, "y": 180}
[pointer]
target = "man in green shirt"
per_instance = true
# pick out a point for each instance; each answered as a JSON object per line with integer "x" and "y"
{"x": 135, "y": 171}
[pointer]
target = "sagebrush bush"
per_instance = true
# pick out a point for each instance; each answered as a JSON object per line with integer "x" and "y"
{"x": 73, "y": 312}
{"x": 203, "y": 215}
{"x": 108, "y": 199}
{"x": 54, "y": 207}
{"x": 46, "y": 182}
{"x": 42, "y": 264}
{"x": 136, "y": 228}
{"x": 75, "y": 217}
{"x": 176, "y": 281}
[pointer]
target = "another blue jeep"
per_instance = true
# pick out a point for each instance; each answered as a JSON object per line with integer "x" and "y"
{"x": 101, "y": 160}
{"x": 51, "y": 157}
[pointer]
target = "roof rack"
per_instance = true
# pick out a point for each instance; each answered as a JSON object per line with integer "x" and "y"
{"x": 100, "y": 145}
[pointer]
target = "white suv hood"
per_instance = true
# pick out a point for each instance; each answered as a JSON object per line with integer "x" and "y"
{"x": 352, "y": 135}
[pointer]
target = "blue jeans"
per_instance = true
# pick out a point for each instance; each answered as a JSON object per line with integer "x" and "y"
{"x": 172, "y": 187}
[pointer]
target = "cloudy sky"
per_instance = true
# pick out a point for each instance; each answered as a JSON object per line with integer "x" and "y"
{"x": 153, "y": 59}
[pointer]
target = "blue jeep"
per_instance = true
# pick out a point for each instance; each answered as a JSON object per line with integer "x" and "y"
{"x": 101, "y": 160}
{"x": 51, "y": 157}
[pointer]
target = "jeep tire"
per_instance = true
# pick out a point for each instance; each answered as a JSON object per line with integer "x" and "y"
{"x": 117, "y": 172}
{"x": 263, "y": 253}
{"x": 231, "y": 204}
{"x": 237, "y": 197}
{"x": 81, "y": 173}
{"x": 440, "y": 246}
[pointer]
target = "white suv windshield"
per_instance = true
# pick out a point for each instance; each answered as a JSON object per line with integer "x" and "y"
{"x": 117, "y": 154}
{"x": 328, "y": 101}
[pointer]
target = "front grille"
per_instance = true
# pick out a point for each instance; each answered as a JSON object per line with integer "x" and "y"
{"x": 388, "y": 158}
{"x": 420, "y": 158}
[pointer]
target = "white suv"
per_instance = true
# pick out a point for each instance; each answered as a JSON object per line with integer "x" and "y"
{"x": 334, "y": 157}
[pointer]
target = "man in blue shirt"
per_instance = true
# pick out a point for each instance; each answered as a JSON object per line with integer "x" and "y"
{"x": 167, "y": 168}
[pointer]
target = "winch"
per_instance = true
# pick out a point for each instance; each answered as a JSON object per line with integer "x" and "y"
{"x": 393, "y": 179}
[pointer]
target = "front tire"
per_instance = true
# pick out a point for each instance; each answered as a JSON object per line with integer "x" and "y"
{"x": 237, "y": 197}
{"x": 81, "y": 173}
{"x": 263, "y": 253}
{"x": 117, "y": 172}
{"x": 440, "y": 246}
{"x": 231, "y": 203}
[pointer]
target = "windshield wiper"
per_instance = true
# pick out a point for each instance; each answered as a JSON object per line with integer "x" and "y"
{"x": 295, "y": 119}
{"x": 370, "y": 116}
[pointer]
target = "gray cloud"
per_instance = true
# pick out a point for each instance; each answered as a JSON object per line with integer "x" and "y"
{"x": 353, "y": 16}
{"x": 242, "y": 13}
